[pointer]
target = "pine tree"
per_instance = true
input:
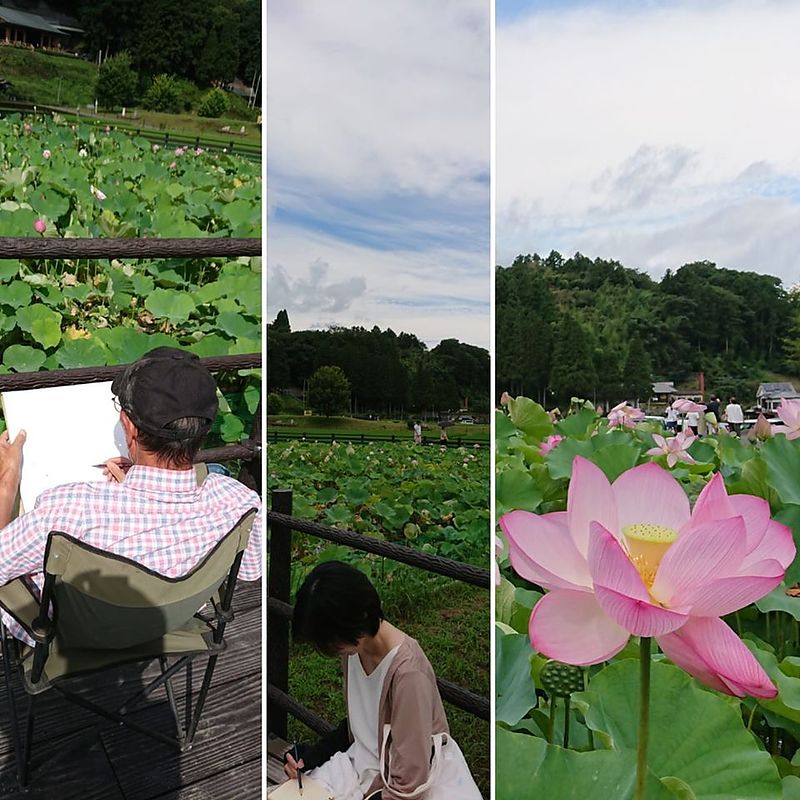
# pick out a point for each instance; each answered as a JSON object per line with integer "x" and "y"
{"x": 572, "y": 373}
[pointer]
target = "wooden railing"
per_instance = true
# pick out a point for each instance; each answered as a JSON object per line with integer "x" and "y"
{"x": 279, "y": 611}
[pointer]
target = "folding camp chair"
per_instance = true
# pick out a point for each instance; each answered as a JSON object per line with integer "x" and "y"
{"x": 99, "y": 610}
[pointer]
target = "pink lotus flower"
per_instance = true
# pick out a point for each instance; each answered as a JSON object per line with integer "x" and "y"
{"x": 630, "y": 558}
{"x": 549, "y": 443}
{"x": 27, "y": 127}
{"x": 789, "y": 412}
{"x": 156, "y": 148}
{"x": 686, "y": 406}
{"x": 674, "y": 448}
{"x": 199, "y": 151}
{"x": 505, "y": 398}
{"x": 173, "y": 165}
{"x": 97, "y": 193}
{"x": 624, "y": 416}
{"x": 40, "y": 226}
{"x": 46, "y": 154}
{"x": 179, "y": 151}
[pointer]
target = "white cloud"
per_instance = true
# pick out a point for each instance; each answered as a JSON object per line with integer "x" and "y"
{"x": 651, "y": 135}
{"x": 373, "y": 98}
{"x": 435, "y": 294}
{"x": 378, "y": 162}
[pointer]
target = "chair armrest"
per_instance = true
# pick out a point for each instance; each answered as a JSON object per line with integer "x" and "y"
{"x": 18, "y": 600}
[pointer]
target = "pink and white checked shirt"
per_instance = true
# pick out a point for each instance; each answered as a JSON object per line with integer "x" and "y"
{"x": 160, "y": 518}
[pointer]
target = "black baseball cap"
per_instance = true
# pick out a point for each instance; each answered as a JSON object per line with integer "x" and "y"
{"x": 167, "y": 384}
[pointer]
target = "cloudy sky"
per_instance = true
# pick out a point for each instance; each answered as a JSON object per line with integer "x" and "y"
{"x": 378, "y": 165}
{"x": 655, "y": 133}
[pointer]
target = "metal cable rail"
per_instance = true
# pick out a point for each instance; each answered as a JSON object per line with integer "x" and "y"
{"x": 212, "y": 247}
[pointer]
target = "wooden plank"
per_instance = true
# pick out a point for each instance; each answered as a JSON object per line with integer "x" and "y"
{"x": 228, "y": 736}
{"x": 56, "y": 716}
{"x": 84, "y": 774}
{"x": 231, "y": 784}
{"x": 275, "y": 749}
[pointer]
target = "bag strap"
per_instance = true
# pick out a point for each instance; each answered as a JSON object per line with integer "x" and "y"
{"x": 385, "y": 757}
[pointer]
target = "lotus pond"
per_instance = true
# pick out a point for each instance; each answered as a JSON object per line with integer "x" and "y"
{"x": 430, "y": 497}
{"x": 72, "y": 181}
{"x": 629, "y": 580}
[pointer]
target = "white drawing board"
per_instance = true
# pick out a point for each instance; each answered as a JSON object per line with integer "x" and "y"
{"x": 289, "y": 791}
{"x": 70, "y": 429}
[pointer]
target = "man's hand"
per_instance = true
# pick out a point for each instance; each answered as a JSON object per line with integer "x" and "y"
{"x": 291, "y": 766}
{"x": 116, "y": 469}
{"x": 11, "y": 460}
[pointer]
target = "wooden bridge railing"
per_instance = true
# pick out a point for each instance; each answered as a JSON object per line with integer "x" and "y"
{"x": 249, "y": 450}
{"x": 279, "y": 611}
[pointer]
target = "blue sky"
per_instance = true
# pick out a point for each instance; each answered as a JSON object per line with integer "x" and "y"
{"x": 378, "y": 166}
{"x": 654, "y": 133}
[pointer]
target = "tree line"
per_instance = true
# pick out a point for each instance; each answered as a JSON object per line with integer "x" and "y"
{"x": 596, "y": 329}
{"x": 390, "y": 374}
{"x": 200, "y": 41}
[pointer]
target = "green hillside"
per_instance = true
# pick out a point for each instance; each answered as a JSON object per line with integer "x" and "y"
{"x": 49, "y": 79}
{"x": 603, "y": 331}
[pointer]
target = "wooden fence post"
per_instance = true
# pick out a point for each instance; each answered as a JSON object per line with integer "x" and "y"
{"x": 250, "y": 472}
{"x": 278, "y": 586}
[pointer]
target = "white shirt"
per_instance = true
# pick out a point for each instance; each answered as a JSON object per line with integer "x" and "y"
{"x": 734, "y": 413}
{"x": 363, "y": 700}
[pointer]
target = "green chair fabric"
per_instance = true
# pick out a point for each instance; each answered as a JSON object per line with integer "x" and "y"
{"x": 108, "y": 610}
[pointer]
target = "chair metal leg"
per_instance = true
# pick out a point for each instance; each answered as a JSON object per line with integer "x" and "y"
{"x": 12, "y": 706}
{"x": 201, "y": 699}
{"x": 173, "y": 706}
{"x": 26, "y": 752}
{"x": 188, "y": 723}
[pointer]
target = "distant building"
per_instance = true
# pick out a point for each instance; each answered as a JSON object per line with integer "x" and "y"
{"x": 663, "y": 390}
{"x": 769, "y": 395}
{"x": 44, "y": 28}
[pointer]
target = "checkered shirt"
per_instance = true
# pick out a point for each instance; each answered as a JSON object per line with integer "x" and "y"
{"x": 159, "y": 518}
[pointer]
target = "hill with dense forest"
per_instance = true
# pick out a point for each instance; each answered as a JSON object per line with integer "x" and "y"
{"x": 603, "y": 331}
{"x": 390, "y": 374}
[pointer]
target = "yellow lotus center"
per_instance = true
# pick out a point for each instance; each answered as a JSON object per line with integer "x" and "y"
{"x": 647, "y": 543}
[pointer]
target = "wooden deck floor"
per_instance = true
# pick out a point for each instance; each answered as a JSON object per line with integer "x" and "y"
{"x": 113, "y": 763}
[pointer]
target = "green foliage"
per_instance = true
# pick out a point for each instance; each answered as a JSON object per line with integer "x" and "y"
{"x": 219, "y": 58}
{"x": 572, "y": 372}
{"x": 702, "y": 744}
{"x": 637, "y": 376}
{"x": 388, "y": 372}
{"x": 94, "y": 313}
{"x": 433, "y": 498}
{"x": 214, "y": 103}
{"x": 733, "y": 325}
{"x": 164, "y": 95}
{"x": 116, "y": 82}
{"x": 328, "y": 391}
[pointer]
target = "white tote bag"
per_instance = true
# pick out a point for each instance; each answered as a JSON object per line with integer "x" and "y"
{"x": 449, "y": 777}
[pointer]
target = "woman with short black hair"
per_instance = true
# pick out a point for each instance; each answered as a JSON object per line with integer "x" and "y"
{"x": 392, "y": 743}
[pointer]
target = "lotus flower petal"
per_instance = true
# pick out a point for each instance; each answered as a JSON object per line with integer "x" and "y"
{"x": 713, "y": 502}
{"x": 776, "y": 543}
{"x": 571, "y": 627}
{"x": 721, "y": 596}
{"x": 543, "y": 552}
{"x": 648, "y": 493}
{"x": 708, "y": 649}
{"x": 621, "y": 592}
{"x": 701, "y": 554}
{"x": 590, "y": 499}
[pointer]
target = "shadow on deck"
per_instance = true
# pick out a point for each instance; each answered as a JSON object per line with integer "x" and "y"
{"x": 117, "y": 764}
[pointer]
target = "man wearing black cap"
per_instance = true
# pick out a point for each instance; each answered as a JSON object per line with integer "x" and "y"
{"x": 152, "y": 509}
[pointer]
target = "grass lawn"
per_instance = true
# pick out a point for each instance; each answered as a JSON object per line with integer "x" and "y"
{"x": 450, "y": 620}
{"x": 327, "y": 425}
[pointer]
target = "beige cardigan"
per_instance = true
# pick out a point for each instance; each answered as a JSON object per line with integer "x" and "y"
{"x": 411, "y": 704}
